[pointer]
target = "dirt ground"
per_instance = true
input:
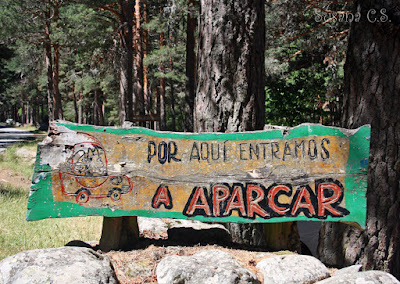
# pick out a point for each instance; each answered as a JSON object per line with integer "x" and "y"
{"x": 14, "y": 179}
{"x": 139, "y": 265}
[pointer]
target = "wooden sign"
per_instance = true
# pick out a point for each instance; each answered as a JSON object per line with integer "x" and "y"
{"x": 310, "y": 172}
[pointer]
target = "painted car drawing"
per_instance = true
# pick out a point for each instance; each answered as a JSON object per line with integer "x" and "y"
{"x": 85, "y": 176}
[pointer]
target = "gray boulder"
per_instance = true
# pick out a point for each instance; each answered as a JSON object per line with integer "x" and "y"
{"x": 294, "y": 269}
{"x": 209, "y": 266}
{"x": 153, "y": 225}
{"x": 366, "y": 277}
{"x": 349, "y": 270}
{"x": 57, "y": 265}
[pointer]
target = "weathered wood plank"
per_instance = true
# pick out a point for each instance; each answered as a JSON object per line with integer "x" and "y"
{"x": 309, "y": 172}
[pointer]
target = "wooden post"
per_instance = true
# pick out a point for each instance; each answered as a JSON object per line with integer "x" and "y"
{"x": 119, "y": 233}
{"x": 282, "y": 236}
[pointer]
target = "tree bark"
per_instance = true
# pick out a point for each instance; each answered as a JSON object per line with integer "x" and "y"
{"x": 163, "y": 118}
{"x": 75, "y": 105}
{"x": 190, "y": 66}
{"x": 80, "y": 108}
{"x": 58, "y": 111}
{"x": 230, "y": 88}
{"x": 372, "y": 87}
{"x": 173, "y": 116}
{"x": 126, "y": 73}
{"x": 49, "y": 62}
{"x": 98, "y": 107}
{"x": 139, "y": 63}
{"x": 146, "y": 94}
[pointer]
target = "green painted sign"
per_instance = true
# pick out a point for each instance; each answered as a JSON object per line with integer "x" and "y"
{"x": 310, "y": 172}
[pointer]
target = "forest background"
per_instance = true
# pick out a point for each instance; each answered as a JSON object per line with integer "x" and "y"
{"x": 95, "y": 62}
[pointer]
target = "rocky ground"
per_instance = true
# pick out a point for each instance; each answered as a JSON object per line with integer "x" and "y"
{"x": 139, "y": 265}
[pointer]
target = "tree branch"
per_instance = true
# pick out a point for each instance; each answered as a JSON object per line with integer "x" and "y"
{"x": 342, "y": 33}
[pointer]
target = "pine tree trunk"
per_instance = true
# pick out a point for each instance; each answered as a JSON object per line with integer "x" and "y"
{"x": 58, "y": 111}
{"x": 190, "y": 67}
{"x": 163, "y": 118}
{"x": 49, "y": 63}
{"x": 23, "y": 113}
{"x": 230, "y": 91}
{"x": 146, "y": 94}
{"x": 126, "y": 73}
{"x": 98, "y": 105}
{"x": 173, "y": 116}
{"x": 80, "y": 108}
{"x": 139, "y": 62}
{"x": 372, "y": 87}
{"x": 75, "y": 106}
{"x": 230, "y": 87}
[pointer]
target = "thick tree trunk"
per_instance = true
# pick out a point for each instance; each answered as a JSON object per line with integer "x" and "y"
{"x": 190, "y": 67}
{"x": 372, "y": 87}
{"x": 230, "y": 88}
{"x": 230, "y": 93}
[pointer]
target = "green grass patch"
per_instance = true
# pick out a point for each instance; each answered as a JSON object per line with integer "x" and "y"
{"x": 16, "y": 234}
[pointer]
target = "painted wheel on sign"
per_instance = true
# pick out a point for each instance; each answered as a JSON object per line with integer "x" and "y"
{"x": 82, "y": 197}
{"x": 115, "y": 195}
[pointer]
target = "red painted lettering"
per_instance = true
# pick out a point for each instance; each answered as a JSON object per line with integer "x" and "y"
{"x": 237, "y": 195}
{"x": 220, "y": 194}
{"x": 252, "y": 203}
{"x": 306, "y": 204}
{"x": 272, "y": 194}
{"x": 325, "y": 203}
{"x": 198, "y": 195}
{"x": 162, "y": 196}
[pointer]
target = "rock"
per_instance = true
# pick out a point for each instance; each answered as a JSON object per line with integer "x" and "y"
{"x": 247, "y": 234}
{"x": 293, "y": 268}
{"x": 366, "y": 277}
{"x": 209, "y": 266}
{"x": 57, "y": 265}
{"x": 193, "y": 232}
{"x": 351, "y": 269}
{"x": 153, "y": 225}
